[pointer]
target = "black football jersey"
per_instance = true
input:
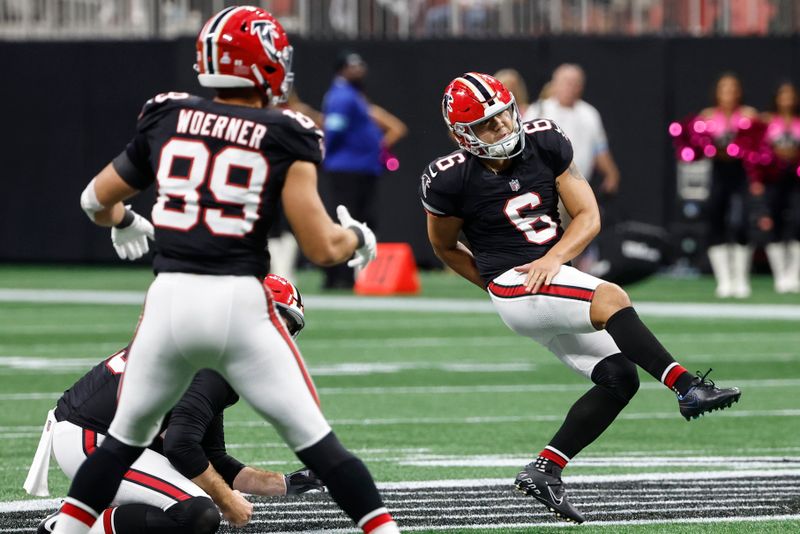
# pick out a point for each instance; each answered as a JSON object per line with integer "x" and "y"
{"x": 194, "y": 427}
{"x": 219, "y": 170}
{"x": 510, "y": 218}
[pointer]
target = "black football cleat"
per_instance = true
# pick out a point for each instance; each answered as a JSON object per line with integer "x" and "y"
{"x": 704, "y": 397}
{"x": 548, "y": 489}
{"x": 48, "y": 524}
{"x": 303, "y": 480}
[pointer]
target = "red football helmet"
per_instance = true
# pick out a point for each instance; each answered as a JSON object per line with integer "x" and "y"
{"x": 245, "y": 46}
{"x": 289, "y": 302}
{"x": 473, "y": 98}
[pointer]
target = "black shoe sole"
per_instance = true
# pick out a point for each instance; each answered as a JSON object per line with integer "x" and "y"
{"x": 730, "y": 402}
{"x": 549, "y": 506}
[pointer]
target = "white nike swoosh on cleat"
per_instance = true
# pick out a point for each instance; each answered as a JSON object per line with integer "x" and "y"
{"x": 552, "y": 496}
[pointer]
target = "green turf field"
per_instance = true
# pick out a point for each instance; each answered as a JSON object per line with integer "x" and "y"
{"x": 441, "y": 396}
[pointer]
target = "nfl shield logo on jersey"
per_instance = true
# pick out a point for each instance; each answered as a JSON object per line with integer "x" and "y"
{"x": 514, "y": 184}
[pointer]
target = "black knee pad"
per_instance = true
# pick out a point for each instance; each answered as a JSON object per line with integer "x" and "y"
{"x": 198, "y": 515}
{"x": 618, "y": 374}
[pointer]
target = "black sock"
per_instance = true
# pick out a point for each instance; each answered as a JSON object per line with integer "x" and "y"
{"x": 616, "y": 382}
{"x": 585, "y": 421}
{"x": 100, "y": 475}
{"x": 346, "y": 477}
{"x": 641, "y": 347}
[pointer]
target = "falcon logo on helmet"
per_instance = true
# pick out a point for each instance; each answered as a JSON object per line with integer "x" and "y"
{"x": 244, "y": 46}
{"x": 472, "y": 99}
{"x": 267, "y": 32}
{"x": 289, "y": 302}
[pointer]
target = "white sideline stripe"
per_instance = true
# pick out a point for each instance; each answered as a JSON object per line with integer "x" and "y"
{"x": 477, "y": 420}
{"x": 45, "y": 504}
{"x": 448, "y": 390}
{"x": 550, "y": 524}
{"x": 321, "y": 302}
{"x": 588, "y": 479}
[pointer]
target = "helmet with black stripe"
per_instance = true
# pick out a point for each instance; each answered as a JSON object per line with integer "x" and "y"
{"x": 474, "y": 99}
{"x": 289, "y": 302}
{"x": 245, "y": 46}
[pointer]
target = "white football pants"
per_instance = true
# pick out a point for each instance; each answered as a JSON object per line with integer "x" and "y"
{"x": 226, "y": 323}
{"x": 151, "y": 479}
{"x": 556, "y": 317}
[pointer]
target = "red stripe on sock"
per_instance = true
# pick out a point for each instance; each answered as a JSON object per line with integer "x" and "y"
{"x": 553, "y": 457}
{"x": 673, "y": 375}
{"x": 78, "y": 513}
{"x": 107, "y": 526}
{"x": 375, "y": 522}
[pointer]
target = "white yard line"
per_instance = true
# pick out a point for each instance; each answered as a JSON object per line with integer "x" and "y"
{"x": 471, "y": 390}
{"x": 729, "y": 479}
{"x": 320, "y": 302}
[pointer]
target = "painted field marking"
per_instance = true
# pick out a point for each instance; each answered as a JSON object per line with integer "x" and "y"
{"x": 319, "y": 302}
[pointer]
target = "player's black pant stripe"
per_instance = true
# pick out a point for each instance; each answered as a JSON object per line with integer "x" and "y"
{"x": 478, "y": 85}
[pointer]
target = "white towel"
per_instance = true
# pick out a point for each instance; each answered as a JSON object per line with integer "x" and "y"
{"x": 36, "y": 482}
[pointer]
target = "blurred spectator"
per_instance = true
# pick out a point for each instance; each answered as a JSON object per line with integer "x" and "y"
{"x": 356, "y": 135}
{"x": 513, "y": 81}
{"x": 727, "y": 207}
{"x": 783, "y": 191}
{"x": 581, "y": 122}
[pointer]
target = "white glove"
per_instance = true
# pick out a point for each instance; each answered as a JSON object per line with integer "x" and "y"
{"x": 130, "y": 242}
{"x": 366, "y": 252}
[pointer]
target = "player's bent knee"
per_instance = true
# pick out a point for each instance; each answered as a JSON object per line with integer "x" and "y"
{"x": 198, "y": 515}
{"x": 613, "y": 295}
{"x": 619, "y": 375}
{"x": 608, "y": 299}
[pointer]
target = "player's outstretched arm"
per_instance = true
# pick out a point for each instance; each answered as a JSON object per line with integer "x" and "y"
{"x": 102, "y": 203}
{"x": 258, "y": 482}
{"x": 580, "y": 203}
{"x": 102, "y": 199}
{"x": 443, "y": 235}
{"x": 323, "y": 241}
{"x": 235, "y": 508}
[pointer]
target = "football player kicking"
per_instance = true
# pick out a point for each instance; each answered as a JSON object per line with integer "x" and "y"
{"x": 502, "y": 189}
{"x": 220, "y": 168}
{"x": 162, "y": 493}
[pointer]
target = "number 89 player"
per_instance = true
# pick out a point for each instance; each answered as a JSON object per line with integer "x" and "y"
{"x": 501, "y": 188}
{"x": 220, "y": 167}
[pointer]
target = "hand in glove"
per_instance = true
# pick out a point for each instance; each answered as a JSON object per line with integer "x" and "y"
{"x": 367, "y": 245}
{"x": 130, "y": 235}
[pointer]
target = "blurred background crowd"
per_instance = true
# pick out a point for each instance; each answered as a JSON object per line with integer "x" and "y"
{"x": 683, "y": 114}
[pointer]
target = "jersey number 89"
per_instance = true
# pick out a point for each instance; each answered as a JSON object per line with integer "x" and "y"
{"x": 246, "y": 198}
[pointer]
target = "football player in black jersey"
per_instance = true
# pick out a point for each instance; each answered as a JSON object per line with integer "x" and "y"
{"x": 220, "y": 167}
{"x": 158, "y": 493}
{"x": 501, "y": 188}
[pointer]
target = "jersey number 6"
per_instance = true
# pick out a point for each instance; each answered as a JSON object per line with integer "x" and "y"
{"x": 526, "y": 225}
{"x": 245, "y": 197}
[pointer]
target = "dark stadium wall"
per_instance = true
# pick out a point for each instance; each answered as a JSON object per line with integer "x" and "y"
{"x": 71, "y": 106}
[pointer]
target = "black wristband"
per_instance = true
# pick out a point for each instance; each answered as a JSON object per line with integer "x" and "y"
{"x": 126, "y": 221}
{"x": 359, "y": 235}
